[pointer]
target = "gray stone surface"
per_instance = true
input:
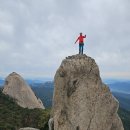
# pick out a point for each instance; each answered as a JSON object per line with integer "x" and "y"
{"x": 81, "y": 101}
{"x": 17, "y": 88}
{"x": 51, "y": 124}
{"x": 28, "y": 128}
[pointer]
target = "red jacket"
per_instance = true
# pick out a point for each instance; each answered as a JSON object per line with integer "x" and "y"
{"x": 81, "y": 39}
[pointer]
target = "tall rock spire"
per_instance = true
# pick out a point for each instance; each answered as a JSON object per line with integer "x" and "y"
{"x": 17, "y": 88}
{"x": 81, "y": 101}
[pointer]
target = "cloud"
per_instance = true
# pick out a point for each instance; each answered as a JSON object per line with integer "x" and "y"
{"x": 36, "y": 35}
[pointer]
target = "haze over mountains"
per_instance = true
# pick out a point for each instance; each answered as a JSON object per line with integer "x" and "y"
{"x": 43, "y": 88}
{"x": 119, "y": 86}
{"x": 114, "y": 84}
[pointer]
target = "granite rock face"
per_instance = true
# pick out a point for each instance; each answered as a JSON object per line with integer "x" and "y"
{"x": 17, "y": 88}
{"x": 28, "y": 128}
{"x": 81, "y": 101}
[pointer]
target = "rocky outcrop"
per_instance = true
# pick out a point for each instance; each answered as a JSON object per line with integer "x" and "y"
{"x": 17, "y": 88}
{"x": 51, "y": 124}
{"x": 81, "y": 101}
{"x": 28, "y": 128}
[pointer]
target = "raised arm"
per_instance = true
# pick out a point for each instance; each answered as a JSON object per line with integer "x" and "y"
{"x": 84, "y": 36}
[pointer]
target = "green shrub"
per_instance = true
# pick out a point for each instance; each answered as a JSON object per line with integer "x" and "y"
{"x": 13, "y": 117}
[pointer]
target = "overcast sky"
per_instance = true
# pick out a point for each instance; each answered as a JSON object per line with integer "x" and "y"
{"x": 36, "y": 35}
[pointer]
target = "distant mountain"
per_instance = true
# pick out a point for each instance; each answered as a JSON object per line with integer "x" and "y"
{"x": 1, "y": 82}
{"x": 111, "y": 81}
{"x": 38, "y": 81}
{"x": 124, "y": 99}
{"x": 44, "y": 91}
{"x": 45, "y": 94}
{"x": 123, "y": 87}
{"x": 47, "y": 84}
{"x": 30, "y": 81}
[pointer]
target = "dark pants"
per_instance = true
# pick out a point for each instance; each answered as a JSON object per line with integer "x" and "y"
{"x": 81, "y": 47}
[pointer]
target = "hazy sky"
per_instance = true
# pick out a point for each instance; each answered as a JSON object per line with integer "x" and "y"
{"x": 35, "y": 35}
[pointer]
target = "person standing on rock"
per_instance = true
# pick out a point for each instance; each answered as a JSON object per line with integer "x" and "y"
{"x": 81, "y": 42}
